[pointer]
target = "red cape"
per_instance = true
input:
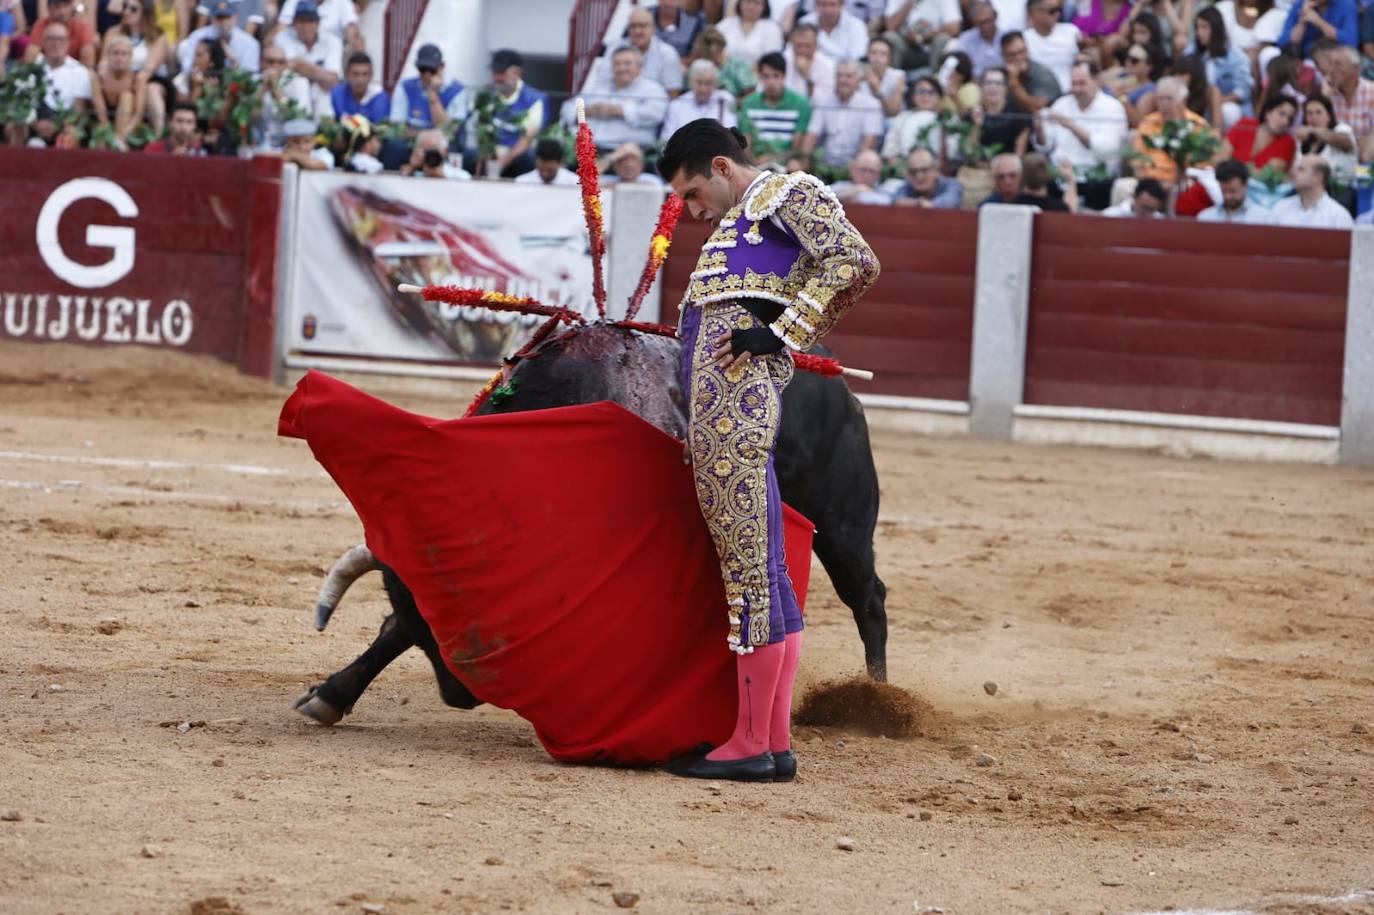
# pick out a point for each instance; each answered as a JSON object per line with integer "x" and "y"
{"x": 558, "y": 555}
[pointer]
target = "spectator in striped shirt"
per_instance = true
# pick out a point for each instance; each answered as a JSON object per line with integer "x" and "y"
{"x": 773, "y": 116}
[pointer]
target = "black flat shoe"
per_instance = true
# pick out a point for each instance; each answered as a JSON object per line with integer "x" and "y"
{"x": 751, "y": 769}
{"x": 785, "y": 766}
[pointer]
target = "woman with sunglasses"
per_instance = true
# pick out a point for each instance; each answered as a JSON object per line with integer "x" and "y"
{"x": 138, "y": 23}
{"x": 1133, "y": 82}
{"x": 917, "y": 126}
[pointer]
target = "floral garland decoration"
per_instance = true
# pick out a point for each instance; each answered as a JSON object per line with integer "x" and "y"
{"x": 658, "y": 251}
{"x": 590, "y": 178}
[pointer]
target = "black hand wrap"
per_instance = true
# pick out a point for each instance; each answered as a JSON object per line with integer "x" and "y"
{"x": 757, "y": 341}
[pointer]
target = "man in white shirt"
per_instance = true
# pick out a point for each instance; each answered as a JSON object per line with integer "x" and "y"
{"x": 1233, "y": 178}
{"x": 659, "y": 62}
{"x": 1011, "y": 14}
{"x": 548, "y": 166}
{"x": 1085, "y": 127}
{"x": 839, "y": 34}
{"x": 1311, "y": 207}
{"x": 626, "y": 108}
{"x": 810, "y": 73}
{"x": 1052, "y": 43}
{"x": 1147, "y": 201}
{"x": 313, "y": 54}
{"x": 69, "y": 83}
{"x": 919, "y": 29}
{"x": 337, "y": 17}
{"x": 846, "y": 121}
{"x": 241, "y": 50}
{"x": 705, "y": 100}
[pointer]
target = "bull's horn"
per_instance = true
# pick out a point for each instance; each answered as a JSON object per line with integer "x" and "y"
{"x": 352, "y": 565}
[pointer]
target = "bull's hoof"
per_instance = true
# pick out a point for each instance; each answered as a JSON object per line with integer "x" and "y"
{"x": 317, "y": 709}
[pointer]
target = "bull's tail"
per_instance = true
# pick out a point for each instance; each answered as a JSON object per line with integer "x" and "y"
{"x": 352, "y": 565}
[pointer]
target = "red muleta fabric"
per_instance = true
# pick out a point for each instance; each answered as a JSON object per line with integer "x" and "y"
{"x": 559, "y": 557}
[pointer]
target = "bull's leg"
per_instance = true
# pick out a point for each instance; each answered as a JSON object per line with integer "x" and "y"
{"x": 329, "y": 701}
{"x": 451, "y": 689}
{"x": 850, "y": 565}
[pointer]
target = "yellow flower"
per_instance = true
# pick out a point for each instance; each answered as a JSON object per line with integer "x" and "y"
{"x": 658, "y": 248}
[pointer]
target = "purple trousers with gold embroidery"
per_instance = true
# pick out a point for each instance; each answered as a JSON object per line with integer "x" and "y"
{"x": 733, "y": 420}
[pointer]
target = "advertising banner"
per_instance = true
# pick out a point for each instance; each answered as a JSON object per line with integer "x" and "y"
{"x": 107, "y": 248}
{"x": 357, "y": 237}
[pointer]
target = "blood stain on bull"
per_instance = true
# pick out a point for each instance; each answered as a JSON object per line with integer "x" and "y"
{"x": 37, "y": 315}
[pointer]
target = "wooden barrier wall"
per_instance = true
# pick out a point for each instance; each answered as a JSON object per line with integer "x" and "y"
{"x": 1184, "y": 317}
{"x": 915, "y": 327}
{"x": 201, "y": 233}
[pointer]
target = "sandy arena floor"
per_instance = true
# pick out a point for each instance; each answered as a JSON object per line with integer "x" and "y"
{"x": 1181, "y": 651}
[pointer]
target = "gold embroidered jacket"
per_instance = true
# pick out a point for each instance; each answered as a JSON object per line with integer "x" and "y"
{"x": 790, "y": 242}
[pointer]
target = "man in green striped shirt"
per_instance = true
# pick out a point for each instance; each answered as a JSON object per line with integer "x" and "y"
{"x": 773, "y": 116}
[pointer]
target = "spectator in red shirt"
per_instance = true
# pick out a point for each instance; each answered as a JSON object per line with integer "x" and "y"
{"x": 80, "y": 36}
{"x": 1268, "y": 138}
{"x": 182, "y": 139}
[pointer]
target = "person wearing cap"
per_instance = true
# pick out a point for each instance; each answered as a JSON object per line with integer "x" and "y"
{"x": 358, "y": 94}
{"x": 627, "y": 167}
{"x": 548, "y": 166}
{"x": 337, "y": 17}
{"x": 627, "y": 107}
{"x": 519, "y": 115}
{"x": 426, "y": 100}
{"x": 249, "y": 15}
{"x": 81, "y": 41}
{"x": 300, "y": 147}
{"x": 314, "y": 54}
{"x": 241, "y": 50}
{"x": 704, "y": 99}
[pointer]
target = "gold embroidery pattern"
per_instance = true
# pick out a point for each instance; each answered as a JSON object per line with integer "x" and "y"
{"x": 734, "y": 420}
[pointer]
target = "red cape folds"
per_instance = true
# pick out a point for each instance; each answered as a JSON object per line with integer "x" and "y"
{"x": 559, "y": 557}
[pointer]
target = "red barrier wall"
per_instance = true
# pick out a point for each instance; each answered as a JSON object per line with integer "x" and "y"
{"x": 201, "y": 235}
{"x": 915, "y": 327}
{"x": 1183, "y": 317}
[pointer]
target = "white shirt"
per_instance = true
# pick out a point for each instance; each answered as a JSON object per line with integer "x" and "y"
{"x": 643, "y": 104}
{"x": 1265, "y": 30}
{"x": 335, "y": 16}
{"x": 327, "y": 53}
{"x": 1126, "y": 209}
{"x": 822, "y": 75}
{"x": 904, "y": 135}
{"x": 67, "y": 83}
{"x": 764, "y": 38}
{"x": 562, "y": 178}
{"x": 936, "y": 13}
{"x": 244, "y": 50}
{"x": 847, "y": 41}
{"x": 1343, "y": 162}
{"x": 1246, "y": 215}
{"x": 1105, "y": 122}
{"x": 1011, "y": 15}
{"x": 1324, "y": 214}
{"x": 270, "y": 122}
{"x": 1056, "y": 50}
{"x": 842, "y": 126}
{"x": 685, "y": 108}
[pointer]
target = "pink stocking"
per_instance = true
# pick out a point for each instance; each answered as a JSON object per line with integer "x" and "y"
{"x": 757, "y": 677}
{"x": 780, "y": 726}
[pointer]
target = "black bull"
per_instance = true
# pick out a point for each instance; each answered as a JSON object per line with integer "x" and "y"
{"x": 823, "y": 460}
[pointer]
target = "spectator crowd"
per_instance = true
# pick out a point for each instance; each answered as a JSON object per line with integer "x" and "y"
{"x": 1253, "y": 111}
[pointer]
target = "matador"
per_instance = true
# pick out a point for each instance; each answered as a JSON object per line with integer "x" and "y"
{"x": 782, "y": 266}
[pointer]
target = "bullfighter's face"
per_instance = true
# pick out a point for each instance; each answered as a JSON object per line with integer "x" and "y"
{"x": 707, "y": 196}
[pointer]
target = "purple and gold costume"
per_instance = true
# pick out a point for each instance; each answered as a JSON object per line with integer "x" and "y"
{"x": 788, "y": 242}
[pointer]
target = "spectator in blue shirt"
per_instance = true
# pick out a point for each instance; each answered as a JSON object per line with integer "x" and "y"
{"x": 6, "y": 35}
{"x": 1310, "y": 20}
{"x": 357, "y": 94}
{"x": 428, "y": 100}
{"x": 925, "y": 186}
{"x": 676, "y": 27}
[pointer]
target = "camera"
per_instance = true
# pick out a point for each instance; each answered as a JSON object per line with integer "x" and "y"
{"x": 433, "y": 158}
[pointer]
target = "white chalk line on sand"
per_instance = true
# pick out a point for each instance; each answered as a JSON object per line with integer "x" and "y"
{"x": 69, "y": 486}
{"x": 252, "y": 470}
{"x": 1354, "y": 896}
